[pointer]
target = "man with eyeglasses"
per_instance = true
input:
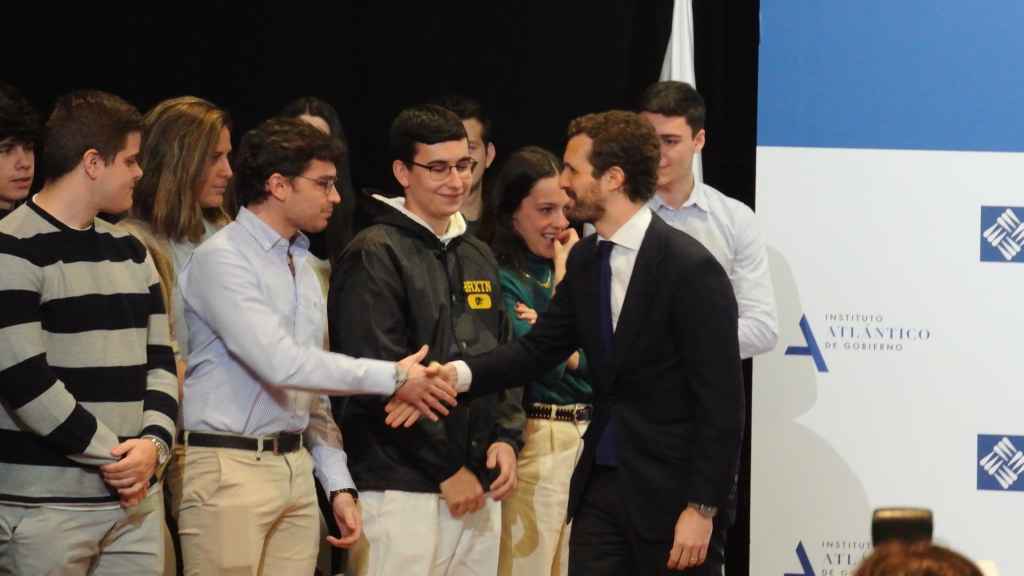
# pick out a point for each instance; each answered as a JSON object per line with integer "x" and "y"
{"x": 417, "y": 276}
{"x": 256, "y": 422}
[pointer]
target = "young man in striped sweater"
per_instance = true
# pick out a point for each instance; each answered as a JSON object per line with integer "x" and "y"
{"x": 88, "y": 395}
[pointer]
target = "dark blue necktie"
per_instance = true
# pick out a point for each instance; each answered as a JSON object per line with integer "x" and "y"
{"x": 607, "y": 453}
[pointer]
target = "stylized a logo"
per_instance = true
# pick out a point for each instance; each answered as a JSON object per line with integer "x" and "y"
{"x": 805, "y": 563}
{"x": 811, "y": 349}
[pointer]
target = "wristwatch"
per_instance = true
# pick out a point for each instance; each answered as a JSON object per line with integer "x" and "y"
{"x": 703, "y": 509}
{"x": 162, "y": 453}
{"x": 350, "y": 491}
{"x": 401, "y": 376}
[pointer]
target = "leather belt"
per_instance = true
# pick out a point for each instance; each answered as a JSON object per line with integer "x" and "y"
{"x": 281, "y": 443}
{"x": 570, "y": 413}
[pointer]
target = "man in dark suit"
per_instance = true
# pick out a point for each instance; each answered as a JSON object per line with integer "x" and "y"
{"x": 656, "y": 315}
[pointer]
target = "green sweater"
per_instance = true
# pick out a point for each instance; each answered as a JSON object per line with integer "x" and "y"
{"x": 534, "y": 289}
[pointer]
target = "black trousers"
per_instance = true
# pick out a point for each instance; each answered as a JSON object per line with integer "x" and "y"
{"x": 603, "y": 544}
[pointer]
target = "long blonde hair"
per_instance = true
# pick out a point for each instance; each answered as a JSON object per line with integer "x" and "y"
{"x": 178, "y": 138}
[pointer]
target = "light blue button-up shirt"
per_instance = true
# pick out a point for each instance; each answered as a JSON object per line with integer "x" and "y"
{"x": 729, "y": 230}
{"x": 256, "y": 363}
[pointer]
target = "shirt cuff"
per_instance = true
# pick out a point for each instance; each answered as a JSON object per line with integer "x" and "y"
{"x": 331, "y": 468}
{"x": 379, "y": 377}
{"x": 465, "y": 376}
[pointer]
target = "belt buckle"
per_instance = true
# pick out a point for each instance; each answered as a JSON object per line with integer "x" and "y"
{"x": 578, "y": 412}
{"x": 276, "y": 443}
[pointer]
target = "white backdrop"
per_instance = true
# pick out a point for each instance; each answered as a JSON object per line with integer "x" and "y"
{"x": 875, "y": 196}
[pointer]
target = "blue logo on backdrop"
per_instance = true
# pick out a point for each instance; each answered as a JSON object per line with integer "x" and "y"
{"x": 832, "y": 557}
{"x": 811, "y": 349}
{"x": 805, "y": 562}
{"x": 1000, "y": 462}
{"x": 1002, "y": 234}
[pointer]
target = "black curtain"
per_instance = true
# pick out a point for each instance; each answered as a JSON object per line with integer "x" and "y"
{"x": 534, "y": 64}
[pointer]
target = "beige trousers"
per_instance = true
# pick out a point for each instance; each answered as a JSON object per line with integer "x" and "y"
{"x": 41, "y": 541}
{"x": 246, "y": 516}
{"x": 413, "y": 533}
{"x": 535, "y": 538}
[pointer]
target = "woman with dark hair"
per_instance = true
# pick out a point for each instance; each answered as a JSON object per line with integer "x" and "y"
{"x": 526, "y": 226}
{"x": 327, "y": 245}
{"x": 20, "y": 131}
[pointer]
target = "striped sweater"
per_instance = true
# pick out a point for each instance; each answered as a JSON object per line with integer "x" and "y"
{"x": 85, "y": 357}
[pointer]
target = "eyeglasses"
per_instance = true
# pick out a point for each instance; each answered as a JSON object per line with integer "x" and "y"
{"x": 325, "y": 184}
{"x": 439, "y": 170}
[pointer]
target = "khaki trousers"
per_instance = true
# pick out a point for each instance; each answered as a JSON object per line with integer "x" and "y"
{"x": 413, "y": 533}
{"x": 535, "y": 537}
{"x": 239, "y": 514}
{"x": 41, "y": 541}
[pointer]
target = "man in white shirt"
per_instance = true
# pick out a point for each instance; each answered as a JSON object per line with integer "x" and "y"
{"x": 256, "y": 422}
{"x": 725, "y": 226}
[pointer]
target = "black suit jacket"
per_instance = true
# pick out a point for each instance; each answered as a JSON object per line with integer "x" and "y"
{"x": 674, "y": 382}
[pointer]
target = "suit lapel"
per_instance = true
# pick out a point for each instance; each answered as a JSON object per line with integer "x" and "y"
{"x": 642, "y": 283}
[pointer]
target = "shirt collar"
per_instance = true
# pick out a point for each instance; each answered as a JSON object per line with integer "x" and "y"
{"x": 698, "y": 198}
{"x": 266, "y": 236}
{"x": 631, "y": 234}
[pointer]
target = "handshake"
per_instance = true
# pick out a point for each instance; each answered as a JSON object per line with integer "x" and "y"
{"x": 425, "y": 392}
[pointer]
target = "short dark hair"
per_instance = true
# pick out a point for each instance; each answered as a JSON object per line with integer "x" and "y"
{"x": 86, "y": 120}
{"x": 315, "y": 107}
{"x": 424, "y": 124}
{"x": 672, "y": 98}
{"x": 518, "y": 175}
{"x": 626, "y": 140}
{"x": 465, "y": 108}
{"x": 18, "y": 120}
{"x": 284, "y": 146}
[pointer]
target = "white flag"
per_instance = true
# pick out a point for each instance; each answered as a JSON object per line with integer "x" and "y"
{"x": 678, "y": 63}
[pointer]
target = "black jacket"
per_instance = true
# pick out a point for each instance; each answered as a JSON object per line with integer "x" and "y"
{"x": 395, "y": 288}
{"x": 673, "y": 384}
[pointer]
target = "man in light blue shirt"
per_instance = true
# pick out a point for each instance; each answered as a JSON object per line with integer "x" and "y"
{"x": 725, "y": 226}
{"x": 255, "y": 418}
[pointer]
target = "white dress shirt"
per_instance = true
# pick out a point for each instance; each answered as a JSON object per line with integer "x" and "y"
{"x": 256, "y": 363}
{"x": 627, "y": 240}
{"x": 729, "y": 230}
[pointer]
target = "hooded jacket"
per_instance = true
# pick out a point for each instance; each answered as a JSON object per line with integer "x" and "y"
{"x": 398, "y": 286}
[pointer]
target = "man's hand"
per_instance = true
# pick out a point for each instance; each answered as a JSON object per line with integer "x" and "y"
{"x": 349, "y": 519}
{"x": 424, "y": 389}
{"x": 446, "y": 372}
{"x": 130, "y": 475}
{"x": 402, "y": 414}
{"x": 463, "y": 493}
{"x": 690, "y": 547}
{"x": 502, "y": 455}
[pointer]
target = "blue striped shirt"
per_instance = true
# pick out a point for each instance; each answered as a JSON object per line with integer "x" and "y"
{"x": 256, "y": 363}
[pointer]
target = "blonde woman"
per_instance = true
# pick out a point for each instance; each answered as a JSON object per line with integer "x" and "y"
{"x": 180, "y": 198}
